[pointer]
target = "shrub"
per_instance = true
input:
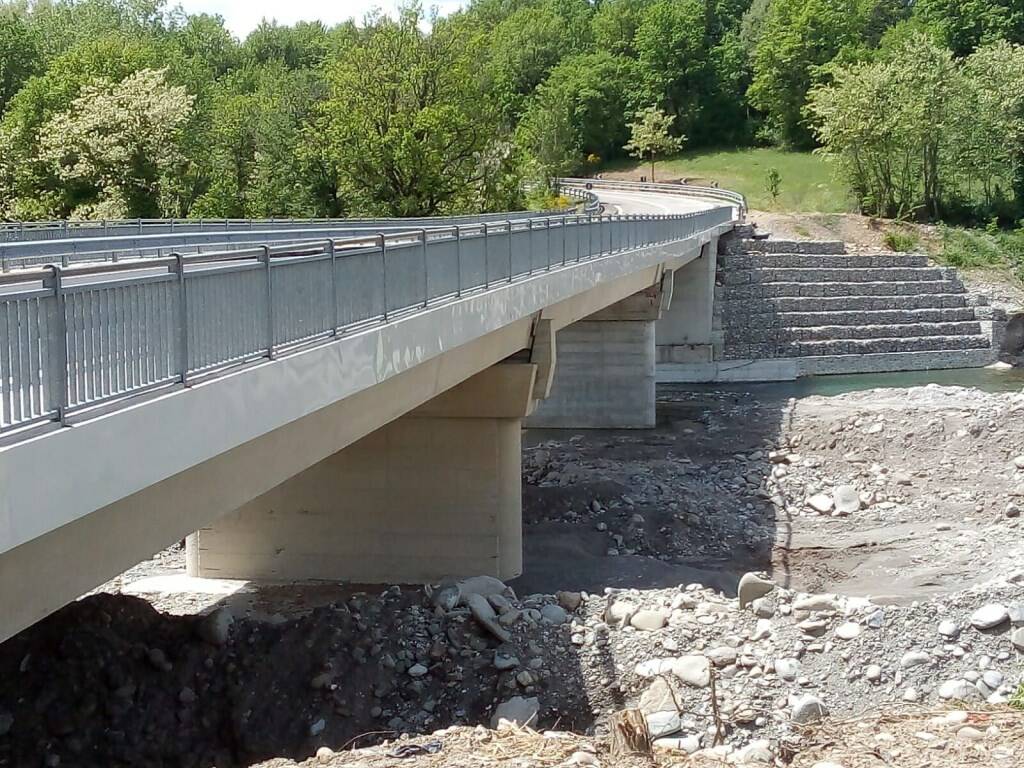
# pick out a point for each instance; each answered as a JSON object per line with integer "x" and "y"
{"x": 901, "y": 240}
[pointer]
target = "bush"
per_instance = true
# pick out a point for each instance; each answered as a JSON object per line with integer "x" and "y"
{"x": 1017, "y": 700}
{"x": 983, "y": 248}
{"x": 898, "y": 240}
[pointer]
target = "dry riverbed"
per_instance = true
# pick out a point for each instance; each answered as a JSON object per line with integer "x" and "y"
{"x": 885, "y": 526}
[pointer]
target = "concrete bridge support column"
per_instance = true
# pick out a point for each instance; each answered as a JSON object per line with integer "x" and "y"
{"x": 435, "y": 493}
{"x": 686, "y": 332}
{"x": 604, "y": 377}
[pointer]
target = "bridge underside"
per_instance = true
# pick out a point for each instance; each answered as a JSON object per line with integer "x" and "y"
{"x": 408, "y": 480}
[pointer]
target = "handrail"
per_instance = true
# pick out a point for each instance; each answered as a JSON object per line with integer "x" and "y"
{"x": 78, "y": 336}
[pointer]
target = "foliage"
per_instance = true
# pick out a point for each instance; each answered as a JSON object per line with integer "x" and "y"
{"x": 409, "y": 127}
{"x": 1017, "y": 700}
{"x": 773, "y": 183}
{"x": 649, "y": 136}
{"x": 975, "y": 248}
{"x": 914, "y": 132}
{"x": 901, "y": 240}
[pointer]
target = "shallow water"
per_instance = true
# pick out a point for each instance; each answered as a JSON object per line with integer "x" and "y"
{"x": 985, "y": 379}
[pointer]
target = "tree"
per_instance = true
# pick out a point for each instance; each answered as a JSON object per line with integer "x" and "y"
{"x": 119, "y": 140}
{"x": 20, "y": 57}
{"x": 548, "y": 137}
{"x": 649, "y": 136}
{"x": 410, "y": 127}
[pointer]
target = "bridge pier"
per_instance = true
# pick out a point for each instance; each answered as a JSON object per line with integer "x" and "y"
{"x": 685, "y": 332}
{"x": 604, "y": 377}
{"x": 434, "y": 493}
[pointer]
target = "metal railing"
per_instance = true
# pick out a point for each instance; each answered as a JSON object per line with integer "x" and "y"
{"x": 726, "y": 196}
{"x": 103, "y": 241}
{"x": 72, "y": 338}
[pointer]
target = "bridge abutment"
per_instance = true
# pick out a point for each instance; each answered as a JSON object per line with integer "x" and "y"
{"x": 434, "y": 493}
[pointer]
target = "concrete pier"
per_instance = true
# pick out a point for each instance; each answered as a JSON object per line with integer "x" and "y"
{"x": 605, "y": 373}
{"x": 686, "y": 332}
{"x": 434, "y": 493}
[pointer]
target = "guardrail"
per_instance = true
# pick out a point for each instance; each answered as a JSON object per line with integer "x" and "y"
{"x": 73, "y": 338}
{"x": 104, "y": 242}
{"x": 729, "y": 197}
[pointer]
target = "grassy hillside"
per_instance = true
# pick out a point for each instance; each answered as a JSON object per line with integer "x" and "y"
{"x": 807, "y": 184}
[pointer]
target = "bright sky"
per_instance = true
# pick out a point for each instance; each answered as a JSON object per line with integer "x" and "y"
{"x": 242, "y": 16}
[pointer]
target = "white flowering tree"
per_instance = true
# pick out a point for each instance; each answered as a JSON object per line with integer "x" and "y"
{"x": 118, "y": 142}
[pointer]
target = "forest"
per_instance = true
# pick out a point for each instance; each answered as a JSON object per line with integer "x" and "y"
{"x": 133, "y": 108}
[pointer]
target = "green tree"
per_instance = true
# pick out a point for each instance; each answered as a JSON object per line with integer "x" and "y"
{"x": 410, "y": 126}
{"x": 650, "y": 137}
{"x": 963, "y": 25}
{"x": 548, "y": 137}
{"x": 20, "y": 57}
{"x": 798, "y": 37}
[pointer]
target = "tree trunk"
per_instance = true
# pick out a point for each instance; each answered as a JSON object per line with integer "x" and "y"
{"x": 652, "y": 167}
{"x": 629, "y": 734}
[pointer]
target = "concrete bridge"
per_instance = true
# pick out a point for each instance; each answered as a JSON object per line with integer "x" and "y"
{"x": 342, "y": 408}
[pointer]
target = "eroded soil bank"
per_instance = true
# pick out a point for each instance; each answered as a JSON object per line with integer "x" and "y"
{"x": 886, "y": 525}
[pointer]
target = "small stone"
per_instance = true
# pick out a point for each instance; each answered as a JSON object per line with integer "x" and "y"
{"x": 582, "y": 758}
{"x": 518, "y": 710}
{"x": 763, "y": 607}
{"x": 186, "y": 695}
{"x": 845, "y": 499}
{"x": 1017, "y": 638}
{"x": 911, "y": 694}
{"x": 657, "y": 698}
{"x": 758, "y": 752}
{"x": 967, "y": 733}
{"x": 485, "y": 616}
{"x": 570, "y": 601}
{"x": 751, "y": 587}
{"x": 787, "y": 669}
{"x": 649, "y": 620}
{"x": 324, "y": 754}
{"x": 914, "y": 659}
{"x": 808, "y": 709}
{"x": 723, "y": 656}
{"x": 417, "y": 670}
{"x": 990, "y": 616}
{"x": 948, "y": 628}
{"x": 848, "y": 631}
{"x": 554, "y": 614}
{"x": 484, "y": 586}
{"x": 317, "y": 727}
{"x": 820, "y": 502}
{"x": 503, "y": 661}
{"x": 215, "y": 627}
{"x": 958, "y": 690}
{"x": 873, "y": 673}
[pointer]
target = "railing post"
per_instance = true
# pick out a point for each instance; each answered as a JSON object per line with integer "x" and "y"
{"x": 426, "y": 281}
{"x": 547, "y": 228}
{"x": 458, "y": 261}
{"x": 529, "y": 246}
{"x": 59, "y": 347}
{"x": 487, "y": 257}
{"x": 384, "y": 272}
{"x": 509, "y": 222}
{"x": 179, "y": 265}
{"x": 270, "y": 303}
{"x": 563, "y": 239}
{"x": 334, "y": 287}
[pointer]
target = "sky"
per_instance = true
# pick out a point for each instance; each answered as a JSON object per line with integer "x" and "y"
{"x": 242, "y": 16}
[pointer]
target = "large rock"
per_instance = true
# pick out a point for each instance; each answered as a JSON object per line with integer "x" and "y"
{"x": 845, "y": 499}
{"x": 1017, "y": 638}
{"x": 657, "y": 698}
{"x": 817, "y": 603}
{"x": 215, "y": 627}
{"x": 518, "y": 710}
{"x": 820, "y": 502}
{"x": 808, "y": 709}
{"x": 485, "y": 586}
{"x": 619, "y": 611}
{"x": 695, "y": 671}
{"x": 751, "y": 587}
{"x": 990, "y": 616}
{"x": 663, "y": 723}
{"x": 687, "y": 744}
{"x": 787, "y": 669}
{"x": 913, "y": 659}
{"x": 649, "y": 620}
{"x": 486, "y": 617}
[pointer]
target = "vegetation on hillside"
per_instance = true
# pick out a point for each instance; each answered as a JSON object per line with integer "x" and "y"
{"x": 133, "y": 108}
